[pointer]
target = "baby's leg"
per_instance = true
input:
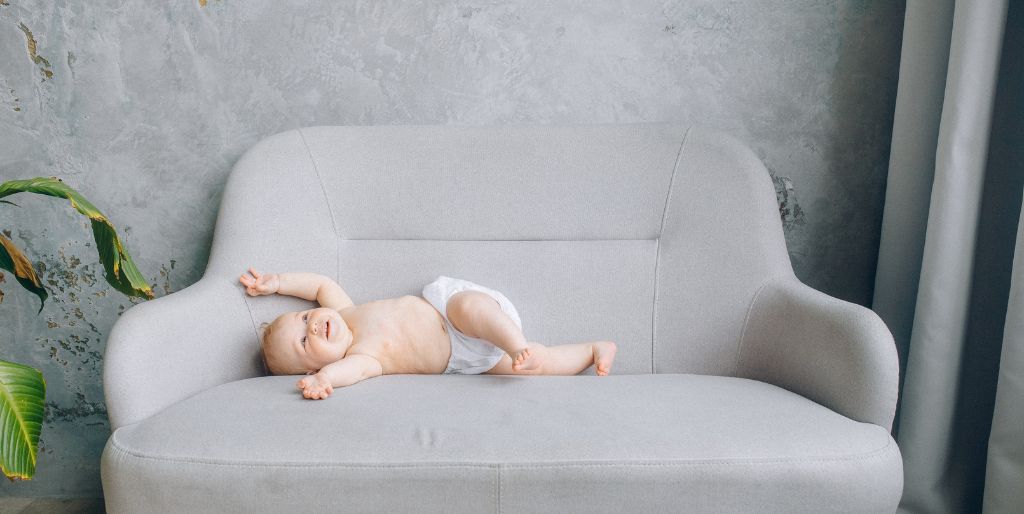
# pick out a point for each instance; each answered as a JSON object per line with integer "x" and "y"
{"x": 565, "y": 359}
{"x": 478, "y": 315}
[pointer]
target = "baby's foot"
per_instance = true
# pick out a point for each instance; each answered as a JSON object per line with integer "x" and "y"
{"x": 604, "y": 354}
{"x": 526, "y": 359}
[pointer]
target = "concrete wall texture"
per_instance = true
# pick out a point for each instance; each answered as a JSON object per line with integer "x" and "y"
{"x": 145, "y": 106}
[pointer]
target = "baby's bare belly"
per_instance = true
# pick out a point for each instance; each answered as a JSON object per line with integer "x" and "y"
{"x": 406, "y": 334}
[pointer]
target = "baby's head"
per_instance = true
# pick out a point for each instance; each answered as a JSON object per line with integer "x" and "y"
{"x": 302, "y": 342}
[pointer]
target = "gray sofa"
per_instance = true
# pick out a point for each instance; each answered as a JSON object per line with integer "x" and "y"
{"x": 736, "y": 387}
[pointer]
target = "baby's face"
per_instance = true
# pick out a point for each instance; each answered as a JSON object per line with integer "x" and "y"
{"x": 306, "y": 341}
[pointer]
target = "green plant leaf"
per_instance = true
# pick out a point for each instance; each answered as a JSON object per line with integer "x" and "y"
{"x": 22, "y": 396}
{"x": 11, "y": 259}
{"x": 121, "y": 271}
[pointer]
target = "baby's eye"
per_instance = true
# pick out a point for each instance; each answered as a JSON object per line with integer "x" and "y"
{"x": 304, "y": 318}
{"x": 303, "y": 341}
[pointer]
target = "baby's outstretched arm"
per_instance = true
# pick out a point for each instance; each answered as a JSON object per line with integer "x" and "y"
{"x": 309, "y": 286}
{"x": 345, "y": 372}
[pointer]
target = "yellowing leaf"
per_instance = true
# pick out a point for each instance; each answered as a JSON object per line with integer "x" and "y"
{"x": 116, "y": 261}
{"x": 11, "y": 259}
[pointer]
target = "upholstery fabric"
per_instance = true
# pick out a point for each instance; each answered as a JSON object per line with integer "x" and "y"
{"x": 836, "y": 353}
{"x": 505, "y": 443}
{"x": 721, "y": 239}
{"x": 496, "y": 183}
{"x": 168, "y": 349}
{"x": 661, "y": 237}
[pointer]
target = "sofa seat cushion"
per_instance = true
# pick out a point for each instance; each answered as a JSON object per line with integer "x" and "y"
{"x": 476, "y": 443}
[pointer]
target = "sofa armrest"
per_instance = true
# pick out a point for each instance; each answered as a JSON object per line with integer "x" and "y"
{"x": 165, "y": 350}
{"x": 836, "y": 353}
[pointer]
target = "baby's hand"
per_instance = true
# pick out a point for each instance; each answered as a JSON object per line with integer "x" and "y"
{"x": 315, "y": 387}
{"x": 259, "y": 283}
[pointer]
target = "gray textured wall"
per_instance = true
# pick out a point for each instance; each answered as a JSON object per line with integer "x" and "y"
{"x": 144, "y": 107}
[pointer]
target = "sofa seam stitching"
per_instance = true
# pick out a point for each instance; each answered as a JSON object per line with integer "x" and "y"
{"x": 327, "y": 201}
{"x": 500, "y": 486}
{"x": 252, "y": 320}
{"x": 553, "y": 465}
{"x": 654, "y": 307}
{"x": 652, "y": 239}
{"x": 657, "y": 254}
{"x": 746, "y": 321}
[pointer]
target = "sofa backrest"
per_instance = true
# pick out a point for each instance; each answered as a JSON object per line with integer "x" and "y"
{"x": 655, "y": 236}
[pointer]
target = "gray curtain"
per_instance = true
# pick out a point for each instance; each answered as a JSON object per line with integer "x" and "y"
{"x": 950, "y": 277}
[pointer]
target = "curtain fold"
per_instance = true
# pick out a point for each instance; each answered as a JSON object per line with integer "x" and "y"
{"x": 919, "y": 93}
{"x": 1004, "y": 479}
{"x": 1004, "y": 476}
{"x": 950, "y": 248}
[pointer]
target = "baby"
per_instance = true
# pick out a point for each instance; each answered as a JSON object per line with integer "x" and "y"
{"x": 456, "y": 327}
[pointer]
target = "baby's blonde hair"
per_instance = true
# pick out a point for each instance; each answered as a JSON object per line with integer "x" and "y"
{"x": 271, "y": 365}
{"x": 265, "y": 330}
